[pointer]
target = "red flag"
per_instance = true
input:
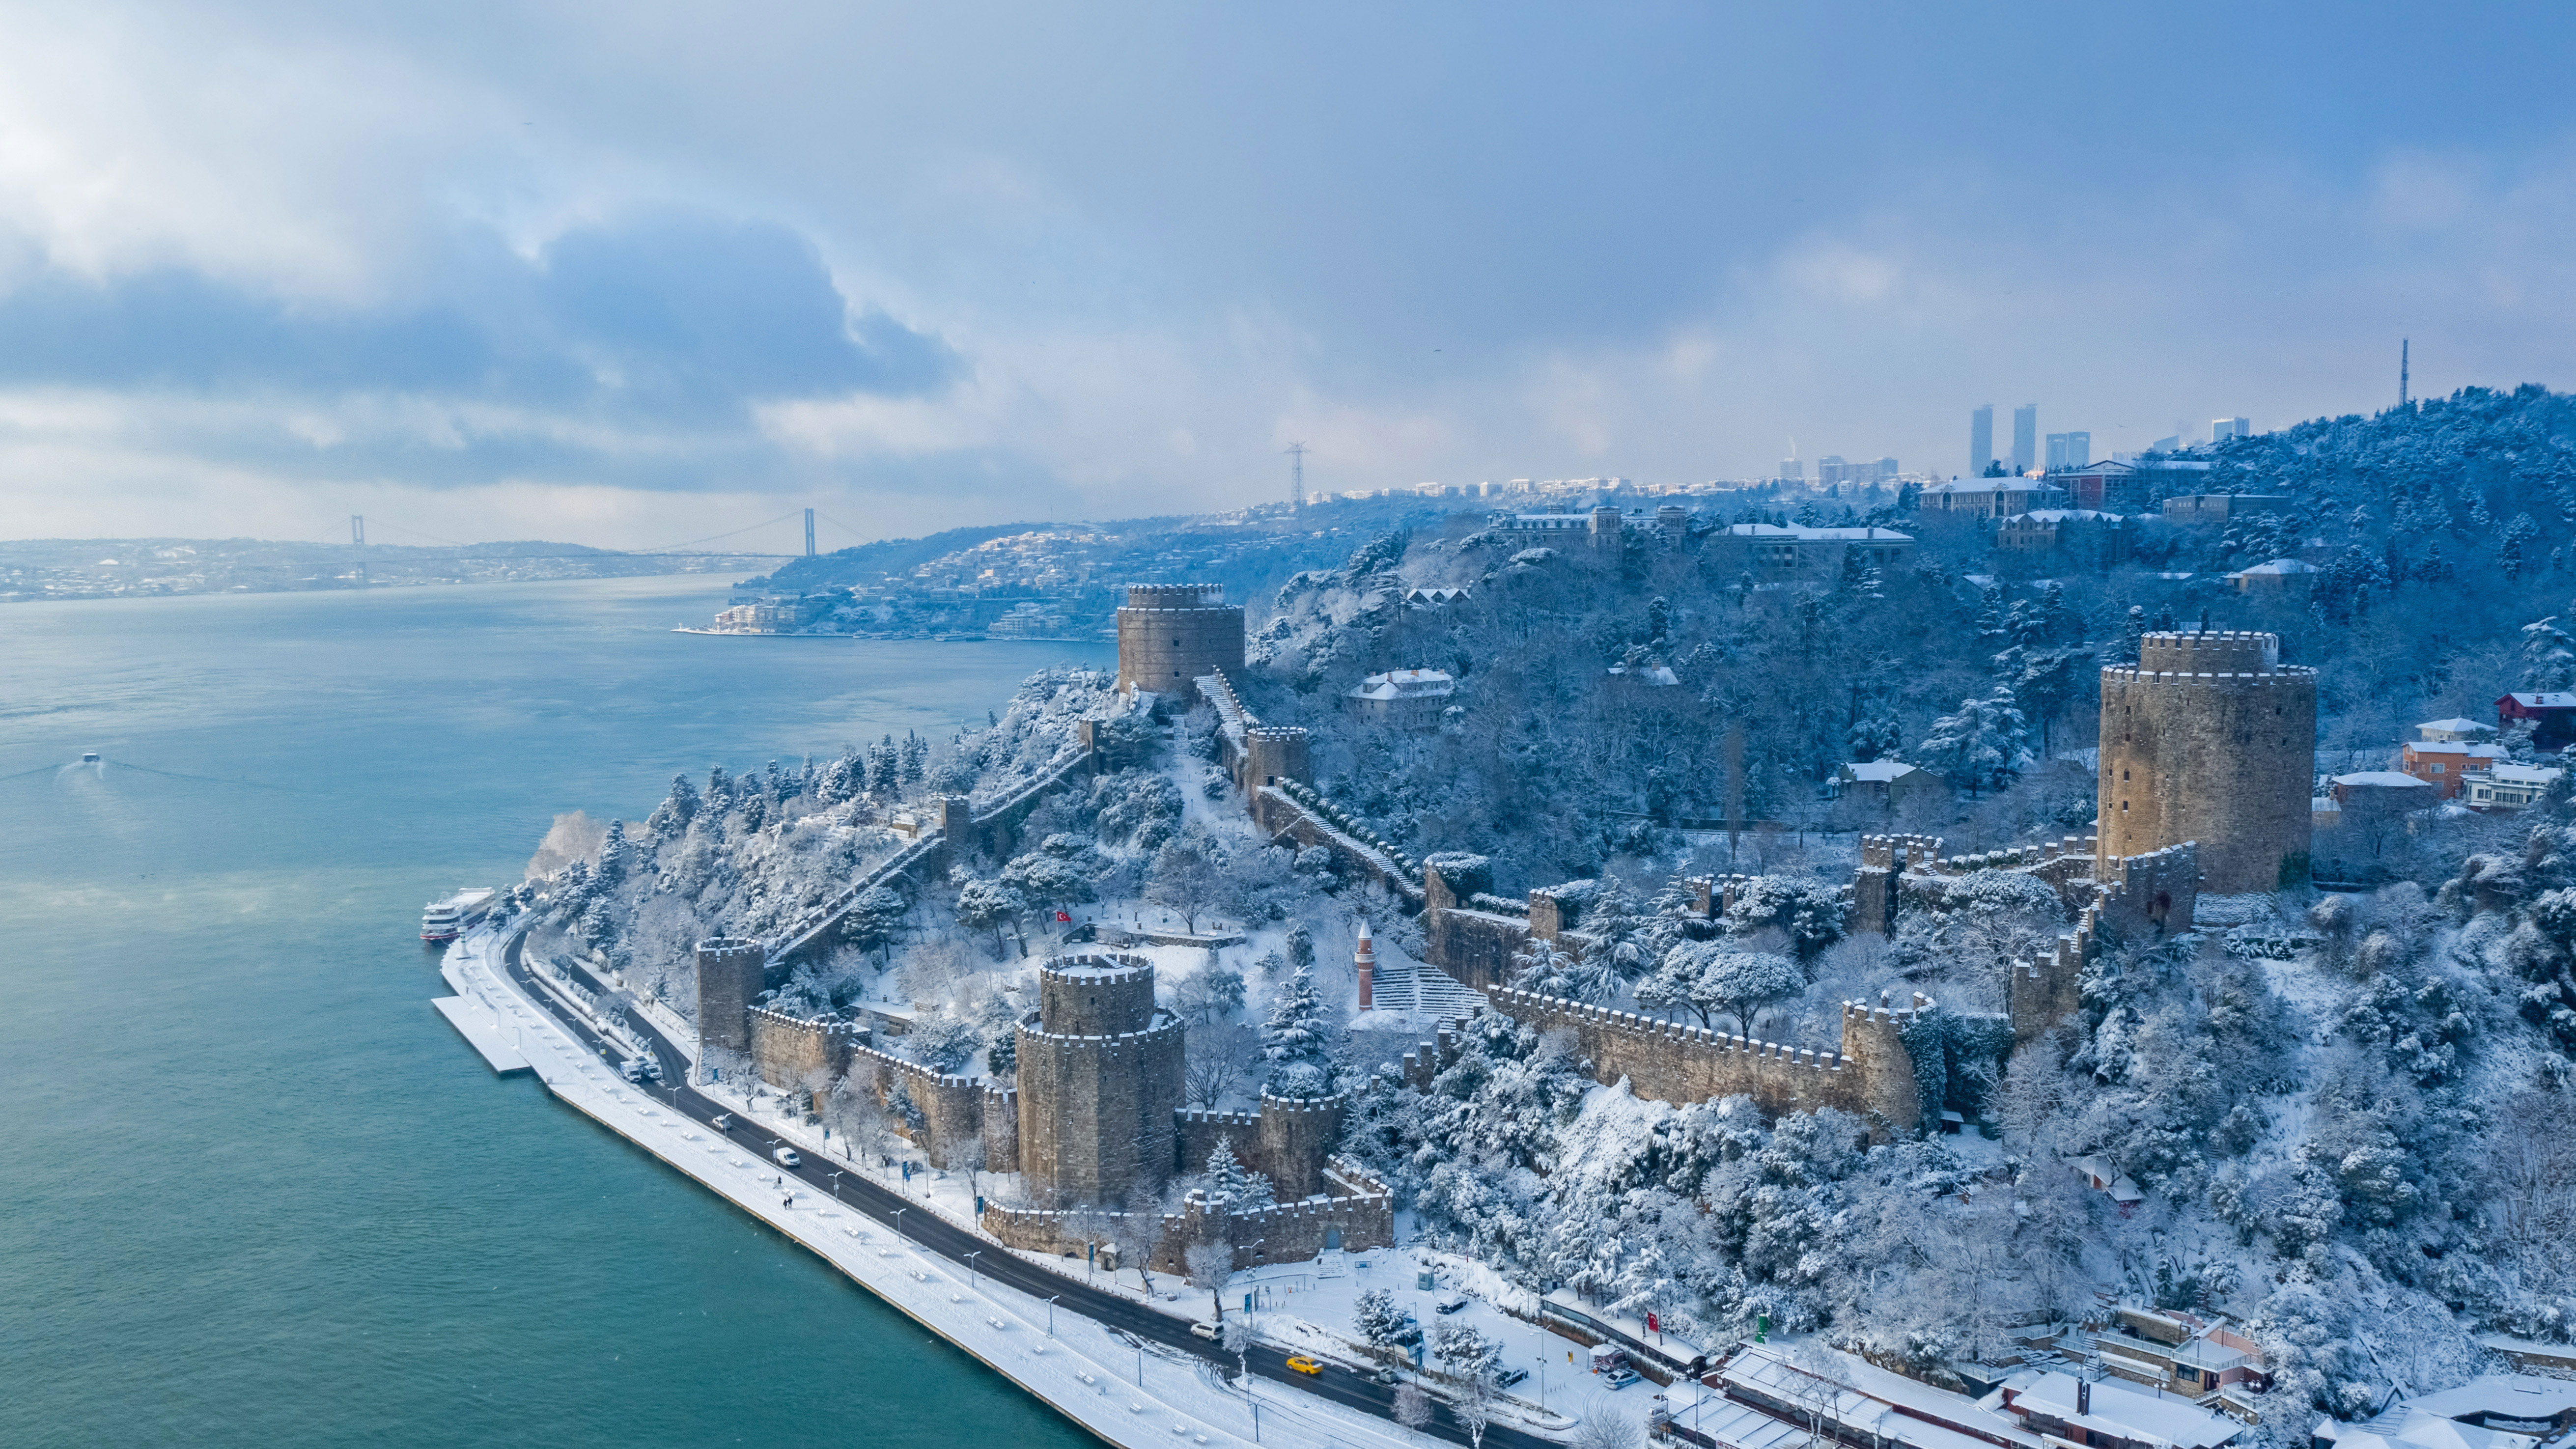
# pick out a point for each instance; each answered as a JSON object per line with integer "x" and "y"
{"x": 1061, "y": 916}
{"x": 1651, "y": 1326}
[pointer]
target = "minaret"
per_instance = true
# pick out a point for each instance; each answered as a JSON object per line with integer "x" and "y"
{"x": 1364, "y": 957}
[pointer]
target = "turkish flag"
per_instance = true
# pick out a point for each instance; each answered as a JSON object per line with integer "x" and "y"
{"x": 1651, "y": 1325}
{"x": 1061, "y": 916}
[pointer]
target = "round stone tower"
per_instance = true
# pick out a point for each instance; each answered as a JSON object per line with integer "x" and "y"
{"x": 1099, "y": 1080}
{"x": 1170, "y": 634}
{"x": 2209, "y": 737}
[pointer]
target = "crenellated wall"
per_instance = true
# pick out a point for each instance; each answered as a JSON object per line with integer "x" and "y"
{"x": 1099, "y": 1082}
{"x": 731, "y": 971}
{"x": 2210, "y": 738}
{"x": 952, "y": 1107}
{"x": 1357, "y": 1207}
{"x": 791, "y": 1051}
{"x": 1670, "y": 1061}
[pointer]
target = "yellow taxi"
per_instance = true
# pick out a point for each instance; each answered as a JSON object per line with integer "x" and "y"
{"x": 1303, "y": 1364}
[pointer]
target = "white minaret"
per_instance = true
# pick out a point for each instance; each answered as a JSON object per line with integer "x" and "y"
{"x": 1364, "y": 957}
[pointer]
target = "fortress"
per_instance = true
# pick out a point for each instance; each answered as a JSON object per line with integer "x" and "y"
{"x": 2210, "y": 738}
{"x": 1169, "y": 635}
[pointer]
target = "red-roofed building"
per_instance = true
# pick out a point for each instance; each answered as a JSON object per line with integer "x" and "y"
{"x": 2552, "y": 716}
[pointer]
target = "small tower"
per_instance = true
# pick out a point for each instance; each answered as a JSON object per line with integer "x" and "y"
{"x": 1364, "y": 958}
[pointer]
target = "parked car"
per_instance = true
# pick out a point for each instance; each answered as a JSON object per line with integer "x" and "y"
{"x": 1449, "y": 1303}
{"x": 1505, "y": 1378}
{"x": 1304, "y": 1365}
{"x": 786, "y": 1157}
{"x": 1208, "y": 1331}
{"x": 1620, "y": 1377}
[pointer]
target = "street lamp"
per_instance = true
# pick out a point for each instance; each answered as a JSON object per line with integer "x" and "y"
{"x": 970, "y": 1266}
{"x": 898, "y": 1219}
{"x": 1051, "y": 1298}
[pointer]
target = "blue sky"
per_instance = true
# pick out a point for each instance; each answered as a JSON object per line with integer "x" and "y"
{"x": 635, "y": 273}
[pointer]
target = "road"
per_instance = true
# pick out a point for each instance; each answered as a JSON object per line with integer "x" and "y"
{"x": 952, "y": 1242}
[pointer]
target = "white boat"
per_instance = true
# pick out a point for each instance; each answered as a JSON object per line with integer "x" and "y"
{"x": 446, "y": 920}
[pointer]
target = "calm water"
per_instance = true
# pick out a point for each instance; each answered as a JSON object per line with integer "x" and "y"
{"x": 252, "y": 1189}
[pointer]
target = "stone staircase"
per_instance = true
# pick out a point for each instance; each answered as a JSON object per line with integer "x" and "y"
{"x": 1401, "y": 986}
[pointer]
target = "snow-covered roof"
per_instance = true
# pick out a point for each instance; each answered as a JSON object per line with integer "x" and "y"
{"x": 2553, "y": 700}
{"x": 2410, "y": 1426}
{"x": 2124, "y": 1411}
{"x": 2383, "y": 780}
{"x": 1801, "y": 534}
{"x": 1405, "y": 684}
{"x": 2462, "y": 748}
{"x": 2277, "y": 566}
{"x": 2064, "y": 515}
{"x": 2510, "y": 1396}
{"x": 1877, "y": 772}
{"x": 2457, "y": 725}
{"x": 1887, "y": 1407}
{"x": 1994, "y": 485}
{"x": 2526, "y": 774}
{"x": 1658, "y": 675}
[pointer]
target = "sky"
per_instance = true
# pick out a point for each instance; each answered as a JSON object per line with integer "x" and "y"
{"x": 639, "y": 274}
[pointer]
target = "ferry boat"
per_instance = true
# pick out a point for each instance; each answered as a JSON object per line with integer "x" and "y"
{"x": 446, "y": 920}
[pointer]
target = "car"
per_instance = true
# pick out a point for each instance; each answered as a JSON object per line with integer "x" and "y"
{"x": 1510, "y": 1376}
{"x": 1208, "y": 1331}
{"x": 786, "y": 1157}
{"x": 1388, "y": 1376}
{"x": 1449, "y": 1303}
{"x": 1304, "y": 1365}
{"x": 1619, "y": 1378}
{"x": 722, "y": 1121}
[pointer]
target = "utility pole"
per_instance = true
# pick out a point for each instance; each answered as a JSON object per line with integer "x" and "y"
{"x": 2402, "y": 347}
{"x": 358, "y": 541}
{"x": 1296, "y": 474}
{"x": 809, "y": 533}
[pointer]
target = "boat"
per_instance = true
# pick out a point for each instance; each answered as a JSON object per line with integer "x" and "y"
{"x": 446, "y": 920}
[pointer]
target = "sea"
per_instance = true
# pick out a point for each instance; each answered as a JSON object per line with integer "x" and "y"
{"x": 253, "y": 1190}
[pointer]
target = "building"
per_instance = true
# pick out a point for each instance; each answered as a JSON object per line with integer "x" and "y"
{"x": 2177, "y": 1353}
{"x": 1886, "y": 783}
{"x": 1764, "y": 1398}
{"x": 2210, "y": 738}
{"x": 2552, "y": 717}
{"x": 2111, "y": 1413}
{"x": 2410, "y": 1426}
{"x": 2220, "y": 507}
{"x": 1172, "y": 635}
{"x": 1771, "y": 551}
{"x": 1099, "y": 1077}
{"x": 2104, "y": 538}
{"x": 2457, "y": 727}
{"x": 1792, "y": 471}
{"x": 1402, "y": 696}
{"x": 2380, "y": 795}
{"x": 1990, "y": 497}
{"x": 1981, "y": 440}
{"x": 2446, "y": 765}
{"x": 2069, "y": 451}
{"x": 2280, "y": 576}
{"x": 2025, "y": 438}
{"x": 2222, "y": 429}
{"x": 1029, "y": 621}
{"x": 1833, "y": 472}
{"x": 1599, "y": 530}
{"x": 2116, "y": 486}
{"x": 2511, "y": 787}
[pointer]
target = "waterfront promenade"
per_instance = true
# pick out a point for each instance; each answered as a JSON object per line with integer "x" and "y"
{"x": 1123, "y": 1370}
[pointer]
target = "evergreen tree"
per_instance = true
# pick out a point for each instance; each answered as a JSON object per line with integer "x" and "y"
{"x": 2518, "y": 536}
{"x": 1243, "y": 1189}
{"x": 2548, "y": 656}
{"x": 1983, "y": 747}
{"x": 1297, "y": 1030}
{"x": 911, "y": 754}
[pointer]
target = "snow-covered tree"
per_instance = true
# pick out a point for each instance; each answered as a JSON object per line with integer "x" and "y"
{"x": 1982, "y": 747}
{"x": 1298, "y": 1029}
{"x": 1380, "y": 1323}
{"x": 1227, "y": 1177}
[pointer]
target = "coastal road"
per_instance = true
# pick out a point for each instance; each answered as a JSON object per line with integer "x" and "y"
{"x": 952, "y": 1242}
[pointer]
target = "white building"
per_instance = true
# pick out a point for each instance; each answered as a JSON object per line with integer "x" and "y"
{"x": 1402, "y": 696}
{"x": 2510, "y": 787}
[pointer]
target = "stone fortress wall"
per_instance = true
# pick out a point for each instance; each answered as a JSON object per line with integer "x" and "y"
{"x": 2210, "y": 738}
{"x": 732, "y": 972}
{"x": 1170, "y": 634}
{"x": 1099, "y": 1082}
{"x": 1350, "y": 1210}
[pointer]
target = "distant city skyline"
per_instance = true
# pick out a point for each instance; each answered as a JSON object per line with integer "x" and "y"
{"x": 490, "y": 272}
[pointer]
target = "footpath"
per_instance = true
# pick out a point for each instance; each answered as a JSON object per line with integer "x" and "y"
{"x": 1126, "y": 1389}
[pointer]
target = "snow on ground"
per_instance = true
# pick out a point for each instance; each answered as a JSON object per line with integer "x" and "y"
{"x": 1125, "y": 1394}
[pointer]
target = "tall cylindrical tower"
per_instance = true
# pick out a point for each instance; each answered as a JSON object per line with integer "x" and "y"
{"x": 1364, "y": 960}
{"x": 1099, "y": 1080}
{"x": 1170, "y": 634}
{"x": 2210, "y": 738}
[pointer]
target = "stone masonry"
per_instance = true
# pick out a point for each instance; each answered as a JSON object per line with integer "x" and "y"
{"x": 1170, "y": 634}
{"x": 732, "y": 972}
{"x": 1099, "y": 1082}
{"x": 2210, "y": 738}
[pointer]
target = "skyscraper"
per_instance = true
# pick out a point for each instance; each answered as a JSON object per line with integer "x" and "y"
{"x": 2069, "y": 450}
{"x": 2025, "y": 437}
{"x": 1981, "y": 440}
{"x": 2222, "y": 429}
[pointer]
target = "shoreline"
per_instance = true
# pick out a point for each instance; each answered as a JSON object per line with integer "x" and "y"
{"x": 1121, "y": 1389}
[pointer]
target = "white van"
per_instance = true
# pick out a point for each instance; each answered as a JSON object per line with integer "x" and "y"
{"x": 786, "y": 1157}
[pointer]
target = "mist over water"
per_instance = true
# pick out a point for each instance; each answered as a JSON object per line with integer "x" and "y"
{"x": 252, "y": 1189}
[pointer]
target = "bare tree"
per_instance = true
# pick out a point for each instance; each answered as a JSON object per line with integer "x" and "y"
{"x": 1216, "y": 1062}
{"x": 1604, "y": 1427}
{"x": 1209, "y": 1265}
{"x": 1412, "y": 1407}
{"x": 1136, "y": 1230}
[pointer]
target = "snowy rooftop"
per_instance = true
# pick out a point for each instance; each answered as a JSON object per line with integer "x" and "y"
{"x": 1994, "y": 485}
{"x": 1877, "y": 771}
{"x": 2462, "y": 748}
{"x": 2125, "y": 1411}
{"x": 2411, "y": 1427}
{"x": 2544, "y": 701}
{"x": 2511, "y": 1396}
{"x": 2383, "y": 779}
{"x": 2456, "y": 725}
{"x": 2277, "y": 566}
{"x": 2069, "y": 515}
{"x": 1887, "y": 1407}
{"x": 1803, "y": 534}
{"x": 1405, "y": 684}
{"x": 2526, "y": 774}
